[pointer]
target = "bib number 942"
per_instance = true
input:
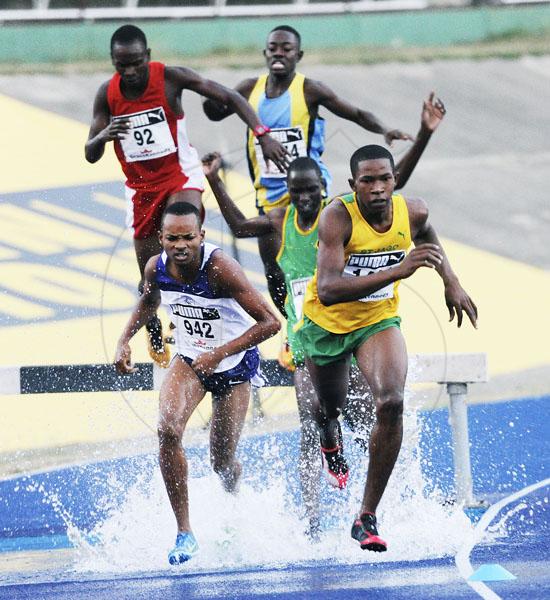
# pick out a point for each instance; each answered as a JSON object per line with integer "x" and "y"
{"x": 201, "y": 329}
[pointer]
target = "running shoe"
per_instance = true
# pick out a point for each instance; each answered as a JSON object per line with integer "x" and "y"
{"x": 155, "y": 342}
{"x": 186, "y": 547}
{"x": 365, "y": 532}
{"x": 285, "y": 358}
{"x": 335, "y": 466}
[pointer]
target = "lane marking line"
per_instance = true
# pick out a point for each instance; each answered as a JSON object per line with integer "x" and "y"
{"x": 462, "y": 558}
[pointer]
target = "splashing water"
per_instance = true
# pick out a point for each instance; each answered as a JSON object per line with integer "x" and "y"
{"x": 263, "y": 524}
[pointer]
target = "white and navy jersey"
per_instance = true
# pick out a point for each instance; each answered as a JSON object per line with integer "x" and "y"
{"x": 204, "y": 320}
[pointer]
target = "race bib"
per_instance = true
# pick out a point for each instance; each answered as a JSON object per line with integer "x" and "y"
{"x": 292, "y": 138}
{"x": 149, "y": 135}
{"x": 298, "y": 291}
{"x": 359, "y": 265}
{"x": 201, "y": 326}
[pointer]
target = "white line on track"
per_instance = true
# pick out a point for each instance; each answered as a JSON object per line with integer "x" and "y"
{"x": 462, "y": 558}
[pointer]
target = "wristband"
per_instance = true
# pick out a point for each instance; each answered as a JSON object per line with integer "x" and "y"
{"x": 260, "y": 130}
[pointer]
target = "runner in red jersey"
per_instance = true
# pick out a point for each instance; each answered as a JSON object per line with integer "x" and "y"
{"x": 140, "y": 110}
{"x": 156, "y": 157}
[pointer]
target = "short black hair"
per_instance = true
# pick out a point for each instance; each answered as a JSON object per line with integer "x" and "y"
{"x": 180, "y": 209}
{"x": 304, "y": 163}
{"x": 128, "y": 34}
{"x": 371, "y": 152}
{"x": 289, "y": 29}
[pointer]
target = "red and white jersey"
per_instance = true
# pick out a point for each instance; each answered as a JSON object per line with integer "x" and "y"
{"x": 156, "y": 150}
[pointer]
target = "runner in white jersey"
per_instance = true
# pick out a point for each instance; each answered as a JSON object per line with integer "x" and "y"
{"x": 220, "y": 318}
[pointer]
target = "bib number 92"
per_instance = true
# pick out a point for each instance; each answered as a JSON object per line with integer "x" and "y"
{"x": 143, "y": 137}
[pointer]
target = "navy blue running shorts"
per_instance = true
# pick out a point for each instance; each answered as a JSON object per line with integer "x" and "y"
{"x": 247, "y": 370}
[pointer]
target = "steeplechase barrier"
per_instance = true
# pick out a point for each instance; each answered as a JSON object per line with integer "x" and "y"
{"x": 455, "y": 371}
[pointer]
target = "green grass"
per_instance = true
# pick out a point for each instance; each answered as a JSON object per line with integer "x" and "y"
{"x": 510, "y": 45}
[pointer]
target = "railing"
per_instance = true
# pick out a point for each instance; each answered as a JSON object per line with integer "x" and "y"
{"x": 46, "y": 10}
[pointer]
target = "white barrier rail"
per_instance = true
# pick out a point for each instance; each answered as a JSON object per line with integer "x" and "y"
{"x": 218, "y": 9}
{"x": 455, "y": 371}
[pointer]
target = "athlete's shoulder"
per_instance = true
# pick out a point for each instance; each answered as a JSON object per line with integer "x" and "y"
{"x": 418, "y": 211}
{"x": 103, "y": 89}
{"x": 278, "y": 215}
{"x": 224, "y": 273}
{"x": 246, "y": 86}
{"x": 214, "y": 258}
{"x": 343, "y": 199}
{"x": 178, "y": 74}
{"x": 150, "y": 271}
{"x": 415, "y": 205}
{"x": 335, "y": 212}
{"x": 335, "y": 224}
{"x": 316, "y": 90}
{"x": 151, "y": 264}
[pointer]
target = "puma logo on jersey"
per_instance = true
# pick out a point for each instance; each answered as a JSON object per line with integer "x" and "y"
{"x": 401, "y": 234}
{"x": 195, "y": 312}
{"x": 375, "y": 261}
{"x": 145, "y": 118}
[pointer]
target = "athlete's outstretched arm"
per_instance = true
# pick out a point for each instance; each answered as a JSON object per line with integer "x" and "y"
{"x": 217, "y": 111}
{"x": 144, "y": 311}
{"x": 332, "y": 286}
{"x": 456, "y": 298}
{"x": 227, "y": 277}
{"x": 317, "y": 93}
{"x": 238, "y": 223}
{"x": 430, "y": 118}
{"x": 189, "y": 79}
{"x": 102, "y": 129}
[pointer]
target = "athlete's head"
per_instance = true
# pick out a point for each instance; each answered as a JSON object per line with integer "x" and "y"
{"x": 282, "y": 50}
{"x": 181, "y": 234}
{"x": 370, "y": 152}
{"x": 130, "y": 55}
{"x": 373, "y": 176}
{"x": 128, "y": 34}
{"x": 305, "y": 186}
{"x": 291, "y": 30}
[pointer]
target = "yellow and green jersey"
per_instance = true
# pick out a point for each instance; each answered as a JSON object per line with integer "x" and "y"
{"x": 368, "y": 251}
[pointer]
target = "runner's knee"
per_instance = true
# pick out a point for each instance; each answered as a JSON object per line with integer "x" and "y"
{"x": 389, "y": 407}
{"x": 169, "y": 435}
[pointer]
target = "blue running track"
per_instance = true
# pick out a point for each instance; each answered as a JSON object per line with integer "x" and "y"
{"x": 510, "y": 452}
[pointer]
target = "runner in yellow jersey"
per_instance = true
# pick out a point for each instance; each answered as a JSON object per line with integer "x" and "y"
{"x": 351, "y": 308}
{"x": 297, "y": 226}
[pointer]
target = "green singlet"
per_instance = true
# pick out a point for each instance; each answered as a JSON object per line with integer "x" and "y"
{"x": 297, "y": 258}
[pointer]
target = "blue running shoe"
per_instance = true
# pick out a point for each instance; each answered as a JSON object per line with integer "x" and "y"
{"x": 186, "y": 547}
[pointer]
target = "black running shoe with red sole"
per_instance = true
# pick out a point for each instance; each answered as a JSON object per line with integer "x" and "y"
{"x": 365, "y": 532}
{"x": 335, "y": 467}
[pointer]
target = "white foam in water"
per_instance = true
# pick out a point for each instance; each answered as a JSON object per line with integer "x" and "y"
{"x": 261, "y": 527}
